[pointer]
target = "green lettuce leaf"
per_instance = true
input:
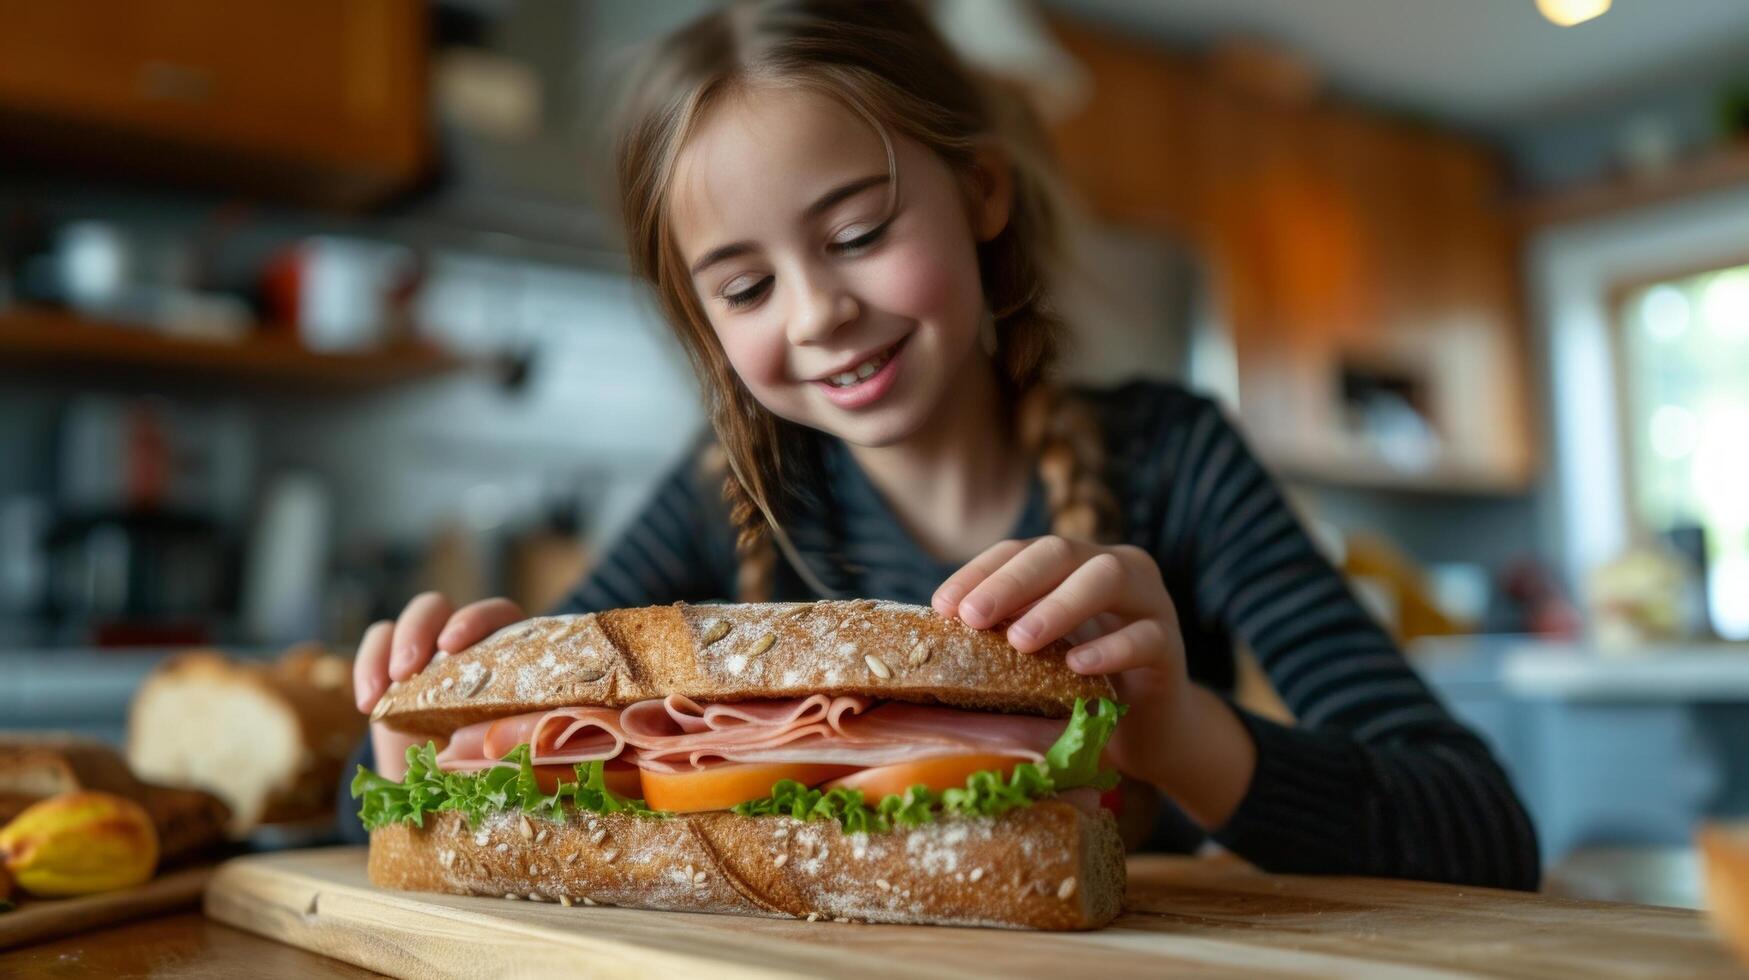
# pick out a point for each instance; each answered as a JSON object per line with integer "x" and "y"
{"x": 427, "y": 789}
{"x": 590, "y": 792}
{"x": 1072, "y": 762}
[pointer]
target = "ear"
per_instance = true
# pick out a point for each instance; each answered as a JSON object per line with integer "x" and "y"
{"x": 992, "y": 193}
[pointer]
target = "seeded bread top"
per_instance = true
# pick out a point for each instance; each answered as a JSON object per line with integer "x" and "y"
{"x": 735, "y": 652}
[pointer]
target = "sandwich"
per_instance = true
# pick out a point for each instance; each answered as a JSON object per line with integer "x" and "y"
{"x": 860, "y": 760}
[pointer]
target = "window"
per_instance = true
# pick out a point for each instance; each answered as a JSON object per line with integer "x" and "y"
{"x": 1685, "y": 367}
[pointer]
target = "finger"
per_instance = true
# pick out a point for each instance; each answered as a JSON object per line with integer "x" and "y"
{"x": 370, "y": 666}
{"x": 1095, "y": 628}
{"x": 416, "y": 634}
{"x": 1087, "y": 591}
{"x": 1141, "y": 644}
{"x": 947, "y": 597}
{"x": 1039, "y": 567}
{"x": 476, "y": 621}
{"x": 390, "y": 749}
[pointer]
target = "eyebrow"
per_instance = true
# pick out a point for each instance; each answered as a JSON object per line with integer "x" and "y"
{"x": 827, "y": 200}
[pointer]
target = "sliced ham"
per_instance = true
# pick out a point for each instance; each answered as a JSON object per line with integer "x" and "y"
{"x": 466, "y": 750}
{"x": 977, "y": 731}
{"x": 677, "y": 734}
{"x": 886, "y": 735}
{"x": 507, "y": 733}
{"x": 653, "y": 723}
{"x": 573, "y": 735}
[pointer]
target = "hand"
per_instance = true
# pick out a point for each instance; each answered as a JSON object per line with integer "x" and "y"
{"x": 1109, "y": 600}
{"x": 397, "y": 650}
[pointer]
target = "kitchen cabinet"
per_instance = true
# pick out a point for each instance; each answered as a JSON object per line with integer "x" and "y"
{"x": 318, "y": 100}
{"x": 1355, "y": 259}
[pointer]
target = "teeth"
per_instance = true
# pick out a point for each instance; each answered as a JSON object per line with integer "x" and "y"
{"x": 863, "y": 370}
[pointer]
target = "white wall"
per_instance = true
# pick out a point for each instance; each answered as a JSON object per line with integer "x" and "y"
{"x": 608, "y": 405}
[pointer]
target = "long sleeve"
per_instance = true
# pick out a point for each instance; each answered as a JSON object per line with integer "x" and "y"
{"x": 1376, "y": 777}
{"x": 680, "y": 547}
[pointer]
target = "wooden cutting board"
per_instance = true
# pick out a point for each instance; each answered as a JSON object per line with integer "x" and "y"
{"x": 37, "y": 919}
{"x": 1202, "y": 918}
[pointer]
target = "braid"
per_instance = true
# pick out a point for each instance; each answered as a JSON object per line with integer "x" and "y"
{"x": 1060, "y": 432}
{"x": 756, "y": 558}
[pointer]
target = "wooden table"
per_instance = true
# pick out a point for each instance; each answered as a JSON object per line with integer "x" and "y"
{"x": 186, "y": 944}
{"x": 1186, "y": 918}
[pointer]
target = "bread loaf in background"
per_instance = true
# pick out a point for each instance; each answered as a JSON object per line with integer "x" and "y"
{"x": 268, "y": 738}
{"x": 37, "y": 766}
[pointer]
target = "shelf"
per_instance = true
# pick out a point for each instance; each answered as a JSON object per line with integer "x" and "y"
{"x": 1718, "y": 169}
{"x": 32, "y": 337}
{"x": 1359, "y": 470}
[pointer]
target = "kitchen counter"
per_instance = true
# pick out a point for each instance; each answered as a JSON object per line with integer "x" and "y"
{"x": 1696, "y": 673}
{"x": 1629, "y": 750}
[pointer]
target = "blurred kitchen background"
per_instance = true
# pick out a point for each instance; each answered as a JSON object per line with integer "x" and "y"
{"x": 309, "y": 305}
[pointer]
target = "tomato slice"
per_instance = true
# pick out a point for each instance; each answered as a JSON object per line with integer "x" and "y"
{"x": 621, "y": 778}
{"x": 723, "y": 786}
{"x": 939, "y": 773}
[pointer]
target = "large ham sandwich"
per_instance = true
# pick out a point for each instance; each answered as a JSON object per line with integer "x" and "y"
{"x": 858, "y": 760}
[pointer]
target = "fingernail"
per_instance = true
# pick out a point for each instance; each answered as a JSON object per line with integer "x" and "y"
{"x": 1084, "y": 661}
{"x": 978, "y": 606}
{"x": 1025, "y": 631}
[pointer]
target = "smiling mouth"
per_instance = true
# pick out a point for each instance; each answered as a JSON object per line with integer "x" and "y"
{"x": 865, "y": 370}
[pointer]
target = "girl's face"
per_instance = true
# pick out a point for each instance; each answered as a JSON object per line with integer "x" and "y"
{"x": 833, "y": 316}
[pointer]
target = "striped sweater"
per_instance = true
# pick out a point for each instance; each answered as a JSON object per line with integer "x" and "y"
{"x": 1375, "y": 778}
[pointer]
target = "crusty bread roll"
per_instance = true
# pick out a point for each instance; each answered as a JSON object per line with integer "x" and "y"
{"x": 731, "y": 653}
{"x": 1047, "y": 866}
{"x": 36, "y": 766}
{"x": 1050, "y": 865}
{"x": 270, "y": 739}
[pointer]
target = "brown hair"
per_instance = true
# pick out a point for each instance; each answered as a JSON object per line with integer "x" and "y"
{"x": 885, "y": 62}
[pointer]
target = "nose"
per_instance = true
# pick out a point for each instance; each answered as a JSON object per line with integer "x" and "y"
{"x": 821, "y": 306}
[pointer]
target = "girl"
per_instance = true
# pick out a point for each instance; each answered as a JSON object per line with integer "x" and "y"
{"x": 850, "y": 235}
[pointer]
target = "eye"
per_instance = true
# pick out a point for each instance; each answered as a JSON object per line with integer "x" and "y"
{"x": 861, "y": 241}
{"x": 748, "y": 296}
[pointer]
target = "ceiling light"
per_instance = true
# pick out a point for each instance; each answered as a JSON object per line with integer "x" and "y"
{"x": 1566, "y": 13}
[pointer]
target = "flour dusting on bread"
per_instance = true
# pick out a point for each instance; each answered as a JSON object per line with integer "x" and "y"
{"x": 727, "y": 652}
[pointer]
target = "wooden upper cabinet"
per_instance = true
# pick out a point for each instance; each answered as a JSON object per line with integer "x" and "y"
{"x": 322, "y": 99}
{"x": 1340, "y": 243}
